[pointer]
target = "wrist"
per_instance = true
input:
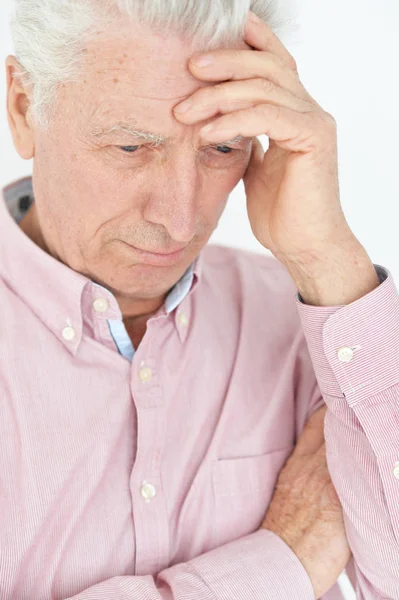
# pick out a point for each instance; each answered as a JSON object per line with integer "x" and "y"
{"x": 341, "y": 274}
{"x": 311, "y": 264}
{"x": 302, "y": 548}
{"x": 308, "y": 550}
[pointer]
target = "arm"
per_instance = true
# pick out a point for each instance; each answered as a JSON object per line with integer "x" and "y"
{"x": 259, "y": 566}
{"x": 362, "y": 422}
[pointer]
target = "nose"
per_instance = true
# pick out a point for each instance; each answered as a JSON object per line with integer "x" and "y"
{"x": 173, "y": 201}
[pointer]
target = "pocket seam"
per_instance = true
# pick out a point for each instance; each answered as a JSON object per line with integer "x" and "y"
{"x": 240, "y": 475}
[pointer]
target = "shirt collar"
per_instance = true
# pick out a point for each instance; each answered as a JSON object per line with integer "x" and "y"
{"x": 52, "y": 290}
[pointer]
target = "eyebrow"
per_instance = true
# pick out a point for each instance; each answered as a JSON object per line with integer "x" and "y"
{"x": 147, "y": 136}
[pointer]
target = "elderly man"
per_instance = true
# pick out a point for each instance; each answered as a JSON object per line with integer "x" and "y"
{"x": 164, "y": 403}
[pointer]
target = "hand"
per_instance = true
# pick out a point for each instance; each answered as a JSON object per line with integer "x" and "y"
{"x": 292, "y": 190}
{"x": 305, "y": 510}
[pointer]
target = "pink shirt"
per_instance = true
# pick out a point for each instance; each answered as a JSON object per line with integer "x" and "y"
{"x": 149, "y": 479}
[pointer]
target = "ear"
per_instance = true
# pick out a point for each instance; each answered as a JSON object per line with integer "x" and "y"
{"x": 18, "y": 114}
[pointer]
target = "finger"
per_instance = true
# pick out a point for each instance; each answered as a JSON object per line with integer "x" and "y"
{"x": 312, "y": 439}
{"x": 238, "y": 95}
{"x": 294, "y": 131}
{"x": 311, "y": 445}
{"x": 261, "y": 37}
{"x": 245, "y": 64}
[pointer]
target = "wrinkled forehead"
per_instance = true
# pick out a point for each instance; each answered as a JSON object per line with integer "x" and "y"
{"x": 155, "y": 64}
{"x": 135, "y": 72}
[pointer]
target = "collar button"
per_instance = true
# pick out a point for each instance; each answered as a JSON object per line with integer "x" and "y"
{"x": 68, "y": 333}
{"x": 101, "y": 305}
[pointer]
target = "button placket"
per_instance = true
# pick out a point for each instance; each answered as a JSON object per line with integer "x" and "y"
{"x": 182, "y": 319}
{"x": 145, "y": 374}
{"x": 147, "y": 494}
{"x": 102, "y": 311}
{"x": 148, "y": 491}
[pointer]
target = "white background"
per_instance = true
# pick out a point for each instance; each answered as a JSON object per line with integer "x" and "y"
{"x": 348, "y": 54}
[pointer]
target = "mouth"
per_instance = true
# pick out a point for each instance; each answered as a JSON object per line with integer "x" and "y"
{"x": 158, "y": 258}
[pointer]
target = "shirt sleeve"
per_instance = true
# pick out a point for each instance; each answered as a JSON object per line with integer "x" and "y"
{"x": 354, "y": 350}
{"x": 259, "y": 566}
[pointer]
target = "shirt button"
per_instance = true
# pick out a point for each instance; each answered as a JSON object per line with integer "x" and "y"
{"x": 396, "y": 470}
{"x": 345, "y": 354}
{"x": 148, "y": 491}
{"x": 145, "y": 374}
{"x": 68, "y": 333}
{"x": 183, "y": 320}
{"x": 101, "y": 305}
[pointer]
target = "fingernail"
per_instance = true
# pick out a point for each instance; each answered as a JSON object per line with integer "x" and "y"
{"x": 202, "y": 60}
{"x": 184, "y": 106}
{"x": 208, "y": 128}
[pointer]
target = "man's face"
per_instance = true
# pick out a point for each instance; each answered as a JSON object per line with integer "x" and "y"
{"x": 101, "y": 195}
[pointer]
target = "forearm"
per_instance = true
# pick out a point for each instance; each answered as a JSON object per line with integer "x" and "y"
{"x": 361, "y": 390}
{"x": 258, "y": 566}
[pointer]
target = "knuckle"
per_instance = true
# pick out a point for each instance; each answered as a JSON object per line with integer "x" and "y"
{"x": 276, "y": 111}
{"x": 330, "y": 118}
{"x": 200, "y": 97}
{"x": 293, "y": 64}
{"x": 214, "y": 94}
{"x": 212, "y": 91}
{"x": 324, "y": 127}
{"x": 330, "y": 121}
{"x": 235, "y": 55}
{"x": 220, "y": 96}
{"x": 265, "y": 85}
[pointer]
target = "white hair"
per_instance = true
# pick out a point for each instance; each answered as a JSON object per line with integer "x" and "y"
{"x": 50, "y": 35}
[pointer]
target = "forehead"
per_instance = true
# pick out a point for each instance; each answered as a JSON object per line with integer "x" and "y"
{"x": 137, "y": 71}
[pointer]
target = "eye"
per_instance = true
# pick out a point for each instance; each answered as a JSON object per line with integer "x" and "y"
{"x": 129, "y": 149}
{"x": 220, "y": 148}
{"x": 224, "y": 149}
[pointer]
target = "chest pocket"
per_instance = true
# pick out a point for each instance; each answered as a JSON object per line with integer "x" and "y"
{"x": 242, "y": 490}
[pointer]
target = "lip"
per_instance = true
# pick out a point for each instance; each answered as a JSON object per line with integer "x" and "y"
{"x": 158, "y": 259}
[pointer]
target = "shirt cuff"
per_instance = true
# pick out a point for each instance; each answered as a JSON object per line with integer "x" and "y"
{"x": 355, "y": 348}
{"x": 258, "y": 566}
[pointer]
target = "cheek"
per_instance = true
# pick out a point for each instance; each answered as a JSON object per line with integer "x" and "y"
{"x": 218, "y": 188}
{"x": 214, "y": 204}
